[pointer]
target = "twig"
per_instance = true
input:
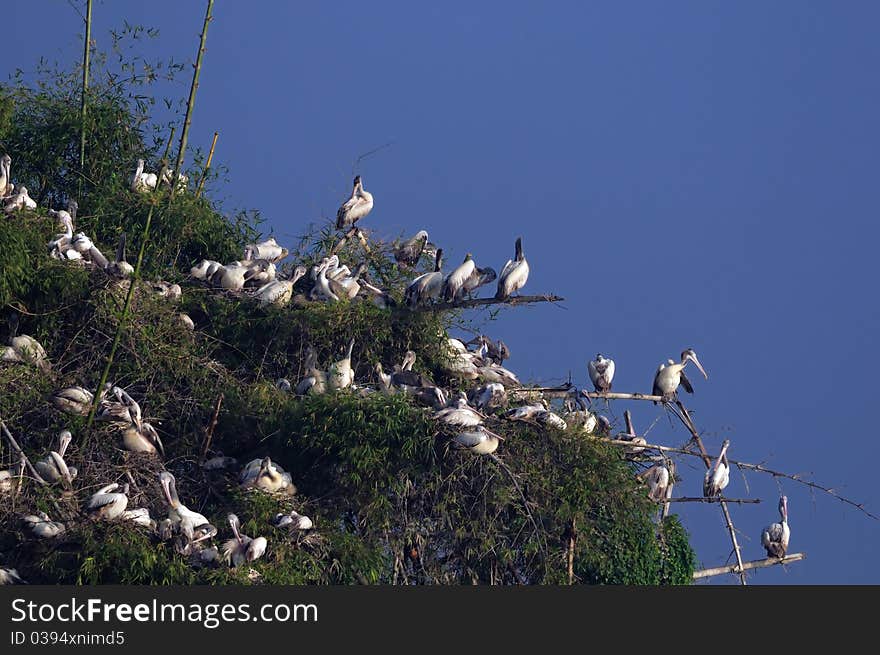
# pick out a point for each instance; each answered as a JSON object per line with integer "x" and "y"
{"x": 17, "y": 449}
{"x": 207, "y": 166}
{"x": 344, "y": 240}
{"x": 697, "y": 499}
{"x": 754, "y": 564}
{"x": 481, "y": 302}
{"x": 507, "y": 470}
{"x": 209, "y": 431}
{"x": 572, "y": 539}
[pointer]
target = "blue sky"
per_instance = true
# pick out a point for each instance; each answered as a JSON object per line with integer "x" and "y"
{"x": 685, "y": 174}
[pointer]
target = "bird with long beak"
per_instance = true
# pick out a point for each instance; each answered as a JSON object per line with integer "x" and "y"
{"x": 410, "y": 251}
{"x": 479, "y": 441}
{"x": 341, "y": 374}
{"x": 139, "y": 516}
{"x": 267, "y": 476}
{"x": 119, "y": 267}
{"x": 241, "y": 548}
{"x": 658, "y": 478}
{"x": 670, "y": 375}
{"x": 53, "y": 468}
{"x": 124, "y": 409}
{"x": 454, "y": 282}
{"x": 107, "y": 504}
{"x": 478, "y": 278}
{"x": 142, "y": 438}
{"x": 356, "y": 207}
{"x": 268, "y": 249}
{"x": 141, "y": 181}
{"x": 775, "y": 536}
{"x": 205, "y": 269}
{"x": 293, "y": 521}
{"x": 601, "y": 372}
{"x": 26, "y": 350}
{"x": 76, "y": 400}
{"x": 488, "y": 396}
{"x": 6, "y": 186}
{"x": 638, "y": 443}
{"x": 42, "y": 526}
{"x": 315, "y": 380}
{"x": 426, "y": 286}
{"x": 514, "y": 274}
{"x": 180, "y": 515}
{"x": 20, "y": 200}
{"x": 279, "y": 292}
{"x": 459, "y": 415}
{"x": 718, "y": 476}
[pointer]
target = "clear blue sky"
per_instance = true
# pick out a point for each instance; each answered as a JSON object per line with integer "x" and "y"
{"x": 684, "y": 173}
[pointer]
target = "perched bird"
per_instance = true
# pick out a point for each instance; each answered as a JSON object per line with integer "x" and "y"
{"x": 456, "y": 279}
{"x": 525, "y": 412}
{"x": 548, "y": 419}
{"x": 142, "y": 438}
{"x": 268, "y": 249}
{"x": 479, "y": 441}
{"x": 27, "y": 350}
{"x": 8, "y": 476}
{"x": 53, "y": 468}
{"x": 601, "y": 372}
{"x": 478, "y": 278}
{"x": 514, "y": 274}
{"x": 638, "y": 443}
{"x": 775, "y": 536}
{"x": 124, "y": 410}
{"x": 657, "y": 478}
{"x": 205, "y": 269}
{"x": 279, "y": 292}
{"x": 20, "y": 200}
{"x": 139, "y": 516}
{"x": 233, "y": 277}
{"x": 76, "y": 400}
{"x": 356, "y": 207}
{"x": 242, "y": 549}
{"x": 426, "y": 286}
{"x": 42, "y": 526}
{"x": 315, "y": 380}
{"x": 718, "y": 476}
{"x": 670, "y": 375}
{"x": 167, "y": 290}
{"x": 459, "y": 415}
{"x": 107, "y": 504}
{"x": 410, "y": 251}
{"x": 180, "y": 515}
{"x": 119, "y": 267}
{"x": 341, "y": 374}
{"x": 292, "y": 521}
{"x": 6, "y": 186}
{"x": 141, "y": 181}
{"x": 267, "y": 476}
{"x": 488, "y": 396}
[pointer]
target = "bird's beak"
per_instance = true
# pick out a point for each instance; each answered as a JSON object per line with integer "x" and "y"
{"x": 165, "y": 490}
{"x": 693, "y": 358}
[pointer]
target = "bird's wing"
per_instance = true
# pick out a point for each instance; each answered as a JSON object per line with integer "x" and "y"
{"x": 686, "y": 383}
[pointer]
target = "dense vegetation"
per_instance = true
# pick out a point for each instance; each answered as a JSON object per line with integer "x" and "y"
{"x": 391, "y": 500}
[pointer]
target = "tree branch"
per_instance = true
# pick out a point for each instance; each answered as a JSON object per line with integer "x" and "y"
{"x": 697, "y": 499}
{"x": 482, "y": 302}
{"x": 754, "y": 564}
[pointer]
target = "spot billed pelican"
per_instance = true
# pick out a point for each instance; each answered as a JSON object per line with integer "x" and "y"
{"x": 42, "y": 526}
{"x": 601, "y": 372}
{"x": 718, "y": 476}
{"x": 10, "y": 576}
{"x": 479, "y": 441}
{"x": 8, "y": 476}
{"x": 205, "y": 269}
{"x": 630, "y": 435}
{"x": 658, "y": 479}
{"x": 670, "y": 375}
{"x": 456, "y": 279}
{"x": 107, "y": 504}
{"x": 142, "y": 438}
{"x": 76, "y": 400}
{"x": 292, "y": 521}
{"x": 20, "y": 200}
{"x": 460, "y": 415}
{"x": 426, "y": 286}
{"x": 124, "y": 409}
{"x": 143, "y": 182}
{"x": 514, "y": 274}
{"x": 6, "y": 186}
{"x": 26, "y": 350}
{"x": 233, "y": 277}
{"x": 315, "y": 380}
{"x": 775, "y": 536}
{"x": 356, "y": 207}
{"x": 341, "y": 375}
{"x": 410, "y": 251}
{"x": 53, "y": 468}
{"x": 268, "y": 249}
{"x": 279, "y": 292}
{"x": 241, "y": 548}
{"x": 119, "y": 267}
{"x": 267, "y": 476}
{"x": 488, "y": 396}
{"x": 180, "y": 515}
{"x": 478, "y": 278}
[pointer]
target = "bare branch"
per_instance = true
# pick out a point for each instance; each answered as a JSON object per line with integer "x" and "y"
{"x": 482, "y": 302}
{"x": 699, "y": 499}
{"x": 754, "y": 564}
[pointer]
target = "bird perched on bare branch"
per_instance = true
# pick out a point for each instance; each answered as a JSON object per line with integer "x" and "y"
{"x": 410, "y": 251}
{"x": 775, "y": 536}
{"x": 514, "y": 274}
{"x": 356, "y": 207}
{"x": 601, "y": 372}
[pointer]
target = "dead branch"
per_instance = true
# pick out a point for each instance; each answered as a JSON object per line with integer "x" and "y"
{"x": 17, "y": 449}
{"x": 754, "y": 564}
{"x": 698, "y": 499}
{"x": 482, "y": 302}
{"x": 209, "y": 431}
{"x": 613, "y": 395}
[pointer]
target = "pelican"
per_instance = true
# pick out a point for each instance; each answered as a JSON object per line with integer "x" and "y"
{"x": 341, "y": 375}
{"x": 66, "y": 217}
{"x": 279, "y": 292}
{"x": 53, "y": 468}
{"x": 514, "y": 274}
{"x": 205, "y": 269}
{"x": 489, "y": 396}
{"x": 456, "y": 279}
{"x": 180, "y": 515}
{"x": 381, "y": 299}
{"x": 356, "y": 207}
{"x": 548, "y": 419}
{"x": 186, "y": 321}
{"x": 241, "y": 548}
{"x": 525, "y": 412}
{"x": 27, "y": 350}
{"x": 42, "y": 526}
{"x": 264, "y": 271}
{"x": 410, "y": 251}
{"x": 10, "y": 576}
{"x": 168, "y": 177}
{"x": 670, "y": 375}
{"x": 493, "y": 372}
{"x": 718, "y": 476}
{"x": 630, "y": 435}
{"x": 478, "y": 278}
{"x": 315, "y": 380}
{"x": 348, "y": 286}
{"x": 124, "y": 410}
{"x": 8, "y": 476}
{"x": 268, "y": 249}
{"x": 167, "y": 290}
{"x": 292, "y": 521}
{"x": 490, "y": 350}
{"x": 21, "y": 200}
{"x": 59, "y": 247}
{"x": 265, "y": 475}
{"x": 6, "y": 186}
{"x": 142, "y": 438}
{"x": 479, "y": 440}
{"x": 322, "y": 290}
{"x": 657, "y": 478}
{"x": 234, "y": 276}
{"x": 141, "y": 181}
{"x": 119, "y": 267}
{"x": 76, "y": 400}
{"x": 775, "y": 536}
{"x": 460, "y": 415}
{"x": 107, "y": 504}
{"x": 139, "y": 516}
{"x": 601, "y": 372}
{"x": 426, "y": 286}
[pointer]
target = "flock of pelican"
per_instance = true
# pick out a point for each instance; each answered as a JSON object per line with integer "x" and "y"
{"x": 466, "y": 416}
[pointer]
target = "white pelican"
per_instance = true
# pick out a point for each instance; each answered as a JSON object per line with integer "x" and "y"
{"x": 356, "y": 207}
{"x": 6, "y": 186}
{"x": 21, "y": 200}
{"x": 119, "y": 267}
{"x": 141, "y": 181}
{"x": 292, "y": 521}
{"x": 279, "y": 292}
{"x": 426, "y": 286}
{"x": 348, "y": 286}
{"x": 10, "y": 576}
{"x": 489, "y": 396}
{"x": 60, "y": 247}
{"x": 315, "y": 380}
{"x": 341, "y": 374}
{"x": 657, "y": 478}
{"x": 53, "y": 468}
{"x": 27, "y": 350}
{"x": 168, "y": 177}
{"x": 205, "y": 269}
{"x": 8, "y": 477}
{"x": 142, "y": 438}
{"x": 456, "y": 279}
{"x": 265, "y": 475}
{"x": 180, "y": 515}
{"x": 479, "y": 440}
{"x": 241, "y": 548}
{"x": 670, "y": 375}
{"x": 775, "y": 536}
{"x": 268, "y": 249}
{"x": 107, "y": 504}
{"x": 601, "y": 372}
{"x": 410, "y": 251}
{"x": 718, "y": 476}
{"x": 460, "y": 415}
{"x": 42, "y": 526}
{"x": 514, "y": 274}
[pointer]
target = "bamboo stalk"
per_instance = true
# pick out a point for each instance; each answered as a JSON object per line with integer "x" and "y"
{"x": 85, "y": 88}
{"x": 187, "y": 121}
{"x": 209, "y": 431}
{"x": 207, "y": 165}
{"x": 754, "y": 564}
{"x": 128, "y": 296}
